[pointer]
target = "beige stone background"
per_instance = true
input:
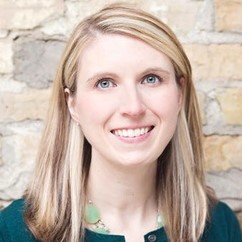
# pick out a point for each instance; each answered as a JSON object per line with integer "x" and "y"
{"x": 32, "y": 36}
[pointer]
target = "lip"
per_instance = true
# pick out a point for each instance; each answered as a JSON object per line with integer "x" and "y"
{"x": 133, "y": 134}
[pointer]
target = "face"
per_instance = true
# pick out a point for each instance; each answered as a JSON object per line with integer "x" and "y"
{"x": 127, "y": 100}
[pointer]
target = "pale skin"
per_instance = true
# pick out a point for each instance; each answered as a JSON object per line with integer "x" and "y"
{"x": 127, "y": 103}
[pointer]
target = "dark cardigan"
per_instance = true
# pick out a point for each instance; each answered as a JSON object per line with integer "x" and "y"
{"x": 223, "y": 227}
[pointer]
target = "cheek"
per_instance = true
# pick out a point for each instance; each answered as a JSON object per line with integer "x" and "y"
{"x": 91, "y": 110}
{"x": 166, "y": 104}
{"x": 85, "y": 109}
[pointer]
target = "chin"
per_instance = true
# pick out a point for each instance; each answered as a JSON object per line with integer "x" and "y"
{"x": 135, "y": 163}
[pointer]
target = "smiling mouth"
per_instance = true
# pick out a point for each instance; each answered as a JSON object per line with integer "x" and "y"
{"x": 132, "y": 133}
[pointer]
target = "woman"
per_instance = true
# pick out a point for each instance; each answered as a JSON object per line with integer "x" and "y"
{"x": 121, "y": 156}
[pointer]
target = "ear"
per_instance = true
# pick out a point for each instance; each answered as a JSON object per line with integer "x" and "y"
{"x": 70, "y": 99}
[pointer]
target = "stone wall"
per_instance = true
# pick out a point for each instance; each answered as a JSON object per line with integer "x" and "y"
{"x": 32, "y": 37}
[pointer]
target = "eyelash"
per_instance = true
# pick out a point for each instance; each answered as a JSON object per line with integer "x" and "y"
{"x": 98, "y": 83}
{"x": 158, "y": 80}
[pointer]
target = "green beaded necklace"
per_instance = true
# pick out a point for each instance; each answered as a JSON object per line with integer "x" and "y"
{"x": 93, "y": 217}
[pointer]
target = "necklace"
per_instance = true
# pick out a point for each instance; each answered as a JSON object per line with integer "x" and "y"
{"x": 93, "y": 217}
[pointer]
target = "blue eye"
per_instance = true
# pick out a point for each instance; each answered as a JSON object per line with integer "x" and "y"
{"x": 104, "y": 84}
{"x": 151, "y": 79}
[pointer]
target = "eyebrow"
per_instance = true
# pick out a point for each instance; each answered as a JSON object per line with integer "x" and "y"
{"x": 155, "y": 69}
{"x": 100, "y": 75}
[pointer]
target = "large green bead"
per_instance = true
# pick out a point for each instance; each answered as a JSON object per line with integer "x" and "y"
{"x": 92, "y": 214}
{"x": 160, "y": 222}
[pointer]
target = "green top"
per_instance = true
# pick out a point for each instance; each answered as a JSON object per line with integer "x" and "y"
{"x": 223, "y": 227}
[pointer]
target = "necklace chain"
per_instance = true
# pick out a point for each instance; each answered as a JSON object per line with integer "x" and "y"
{"x": 93, "y": 218}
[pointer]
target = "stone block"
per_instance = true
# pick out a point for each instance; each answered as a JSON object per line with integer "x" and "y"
{"x": 181, "y": 19}
{"x": 227, "y": 186}
{"x": 6, "y": 55}
{"x": 223, "y": 152}
{"x": 30, "y": 104}
{"x": 18, "y": 154}
{"x": 19, "y": 150}
{"x": 1, "y": 160}
{"x": 228, "y": 15}
{"x": 3, "y": 33}
{"x": 213, "y": 114}
{"x": 215, "y": 62}
{"x": 205, "y": 17}
{"x": 36, "y": 61}
{"x": 7, "y": 84}
{"x": 230, "y": 101}
{"x": 24, "y": 14}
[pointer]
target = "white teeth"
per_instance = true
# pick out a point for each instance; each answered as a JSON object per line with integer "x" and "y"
{"x": 137, "y": 132}
{"x": 142, "y": 131}
{"x": 124, "y": 133}
{"x": 130, "y": 133}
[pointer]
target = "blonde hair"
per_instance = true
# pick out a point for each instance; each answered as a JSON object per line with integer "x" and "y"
{"x": 56, "y": 195}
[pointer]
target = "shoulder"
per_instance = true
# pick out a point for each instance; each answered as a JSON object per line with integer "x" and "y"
{"x": 12, "y": 225}
{"x": 222, "y": 225}
{"x": 222, "y": 210}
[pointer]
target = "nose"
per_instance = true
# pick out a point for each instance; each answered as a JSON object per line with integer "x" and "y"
{"x": 132, "y": 103}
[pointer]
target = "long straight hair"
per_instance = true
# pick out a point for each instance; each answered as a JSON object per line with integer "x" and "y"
{"x": 56, "y": 195}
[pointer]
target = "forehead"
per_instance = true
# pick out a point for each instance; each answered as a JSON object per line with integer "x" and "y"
{"x": 121, "y": 52}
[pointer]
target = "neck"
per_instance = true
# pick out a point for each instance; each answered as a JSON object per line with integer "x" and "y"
{"x": 119, "y": 191}
{"x": 121, "y": 187}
